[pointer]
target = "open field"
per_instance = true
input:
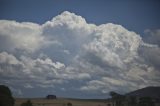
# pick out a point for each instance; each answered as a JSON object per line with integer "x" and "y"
{"x": 61, "y": 102}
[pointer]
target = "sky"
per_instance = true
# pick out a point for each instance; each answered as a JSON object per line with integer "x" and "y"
{"x": 79, "y": 48}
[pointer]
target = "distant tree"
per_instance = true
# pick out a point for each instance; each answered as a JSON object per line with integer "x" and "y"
{"x": 117, "y": 98}
{"x": 6, "y": 98}
{"x": 28, "y": 103}
{"x": 132, "y": 101}
{"x": 69, "y": 104}
{"x": 146, "y": 101}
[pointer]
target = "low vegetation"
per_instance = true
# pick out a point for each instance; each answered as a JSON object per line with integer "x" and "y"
{"x": 28, "y": 103}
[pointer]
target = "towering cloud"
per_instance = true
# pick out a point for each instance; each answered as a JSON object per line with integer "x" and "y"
{"x": 70, "y": 55}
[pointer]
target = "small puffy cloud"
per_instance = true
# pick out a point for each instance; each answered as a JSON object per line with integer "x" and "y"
{"x": 93, "y": 85}
{"x": 28, "y": 86}
{"x": 71, "y": 55}
{"x": 6, "y": 58}
{"x": 151, "y": 55}
{"x": 48, "y": 61}
{"x": 152, "y": 36}
{"x": 16, "y": 91}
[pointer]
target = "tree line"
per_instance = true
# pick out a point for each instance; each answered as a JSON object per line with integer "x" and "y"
{"x": 122, "y": 100}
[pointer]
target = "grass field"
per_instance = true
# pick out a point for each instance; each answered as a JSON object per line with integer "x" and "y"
{"x": 62, "y": 102}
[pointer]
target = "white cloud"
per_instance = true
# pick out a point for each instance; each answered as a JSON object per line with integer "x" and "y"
{"x": 152, "y": 36}
{"x": 28, "y": 86}
{"x": 68, "y": 50}
{"x": 6, "y": 58}
{"x": 21, "y": 36}
{"x": 48, "y": 61}
{"x": 114, "y": 45}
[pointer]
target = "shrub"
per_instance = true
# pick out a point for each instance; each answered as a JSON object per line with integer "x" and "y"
{"x": 28, "y": 103}
{"x": 69, "y": 104}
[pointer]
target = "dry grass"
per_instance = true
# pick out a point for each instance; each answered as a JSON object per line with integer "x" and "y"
{"x": 61, "y": 102}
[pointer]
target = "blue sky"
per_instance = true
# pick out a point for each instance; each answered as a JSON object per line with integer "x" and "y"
{"x": 134, "y": 14}
{"x": 79, "y": 48}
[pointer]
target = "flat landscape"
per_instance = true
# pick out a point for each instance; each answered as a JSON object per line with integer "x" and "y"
{"x": 61, "y": 102}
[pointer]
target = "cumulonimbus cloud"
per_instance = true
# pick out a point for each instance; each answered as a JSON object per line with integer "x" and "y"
{"x": 69, "y": 51}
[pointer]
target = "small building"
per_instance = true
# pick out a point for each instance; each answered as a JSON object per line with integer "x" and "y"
{"x": 51, "y": 97}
